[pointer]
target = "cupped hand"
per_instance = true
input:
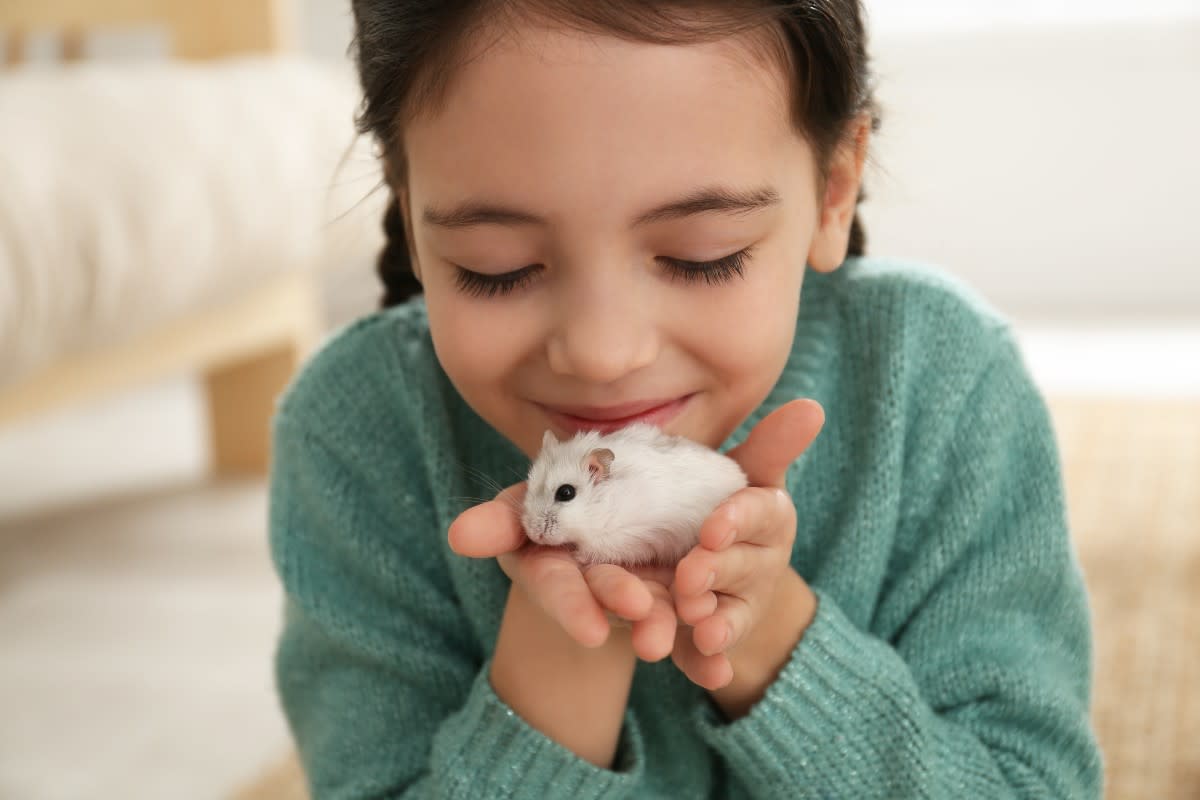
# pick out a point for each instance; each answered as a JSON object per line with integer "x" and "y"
{"x": 726, "y": 585}
{"x": 577, "y": 598}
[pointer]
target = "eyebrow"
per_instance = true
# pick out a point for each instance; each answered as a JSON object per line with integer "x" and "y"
{"x": 707, "y": 199}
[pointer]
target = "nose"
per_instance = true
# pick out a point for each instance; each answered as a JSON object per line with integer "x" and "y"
{"x": 603, "y": 334}
{"x": 537, "y": 527}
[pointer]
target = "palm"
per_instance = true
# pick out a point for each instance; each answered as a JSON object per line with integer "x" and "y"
{"x": 581, "y": 599}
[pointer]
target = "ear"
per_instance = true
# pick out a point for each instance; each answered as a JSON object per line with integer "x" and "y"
{"x": 402, "y": 196}
{"x": 832, "y": 237}
{"x": 548, "y": 439}
{"x": 598, "y": 462}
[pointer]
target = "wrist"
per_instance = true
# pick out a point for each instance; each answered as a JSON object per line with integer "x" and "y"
{"x": 761, "y": 656}
{"x": 573, "y": 694}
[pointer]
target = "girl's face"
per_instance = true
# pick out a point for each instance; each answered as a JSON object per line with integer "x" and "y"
{"x": 584, "y": 182}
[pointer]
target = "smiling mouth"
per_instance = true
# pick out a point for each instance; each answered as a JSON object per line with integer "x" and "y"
{"x": 607, "y": 419}
{"x": 615, "y": 413}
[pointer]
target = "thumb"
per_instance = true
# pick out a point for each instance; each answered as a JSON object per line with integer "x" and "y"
{"x": 492, "y": 528}
{"x": 778, "y": 440}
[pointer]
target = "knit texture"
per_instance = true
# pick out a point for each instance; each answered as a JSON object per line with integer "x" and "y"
{"x": 950, "y": 655}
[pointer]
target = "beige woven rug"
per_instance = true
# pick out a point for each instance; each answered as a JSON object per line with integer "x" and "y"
{"x": 1132, "y": 470}
{"x": 1133, "y": 493}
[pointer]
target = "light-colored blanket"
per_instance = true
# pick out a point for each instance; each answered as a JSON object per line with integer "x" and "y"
{"x": 131, "y": 193}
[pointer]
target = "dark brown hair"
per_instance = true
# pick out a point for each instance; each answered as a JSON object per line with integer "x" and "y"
{"x": 407, "y": 50}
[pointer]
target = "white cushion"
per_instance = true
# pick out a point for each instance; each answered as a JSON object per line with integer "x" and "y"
{"x": 132, "y": 193}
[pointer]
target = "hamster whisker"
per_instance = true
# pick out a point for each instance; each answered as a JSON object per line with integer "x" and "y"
{"x": 481, "y": 476}
{"x": 470, "y": 498}
{"x": 512, "y": 503}
{"x": 468, "y": 502}
{"x": 488, "y": 482}
{"x": 519, "y": 474}
{"x": 515, "y": 473}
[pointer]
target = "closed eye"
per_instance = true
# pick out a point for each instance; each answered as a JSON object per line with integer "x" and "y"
{"x": 718, "y": 271}
{"x": 478, "y": 284}
{"x": 722, "y": 270}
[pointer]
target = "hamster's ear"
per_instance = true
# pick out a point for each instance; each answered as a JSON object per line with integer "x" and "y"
{"x": 548, "y": 439}
{"x": 598, "y": 461}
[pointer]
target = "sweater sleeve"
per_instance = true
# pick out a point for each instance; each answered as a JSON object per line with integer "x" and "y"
{"x": 383, "y": 687}
{"x": 982, "y": 691}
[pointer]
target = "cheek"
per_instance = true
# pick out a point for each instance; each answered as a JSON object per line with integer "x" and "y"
{"x": 484, "y": 345}
{"x": 571, "y": 517}
{"x": 747, "y": 333}
{"x": 464, "y": 332}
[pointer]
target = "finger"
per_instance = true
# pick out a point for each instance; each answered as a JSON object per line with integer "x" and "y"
{"x": 778, "y": 440}
{"x": 725, "y": 628}
{"x": 618, "y": 590}
{"x": 654, "y": 572}
{"x": 756, "y": 515}
{"x": 490, "y": 528}
{"x": 695, "y": 608}
{"x": 654, "y": 637}
{"x": 508, "y": 564}
{"x": 719, "y": 529}
{"x": 708, "y": 672}
{"x": 512, "y": 561}
{"x": 558, "y": 587}
{"x": 702, "y": 570}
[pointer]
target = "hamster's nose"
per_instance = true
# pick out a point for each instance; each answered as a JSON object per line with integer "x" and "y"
{"x": 538, "y": 530}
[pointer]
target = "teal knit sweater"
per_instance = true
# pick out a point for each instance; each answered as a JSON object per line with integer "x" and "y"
{"x": 950, "y": 655}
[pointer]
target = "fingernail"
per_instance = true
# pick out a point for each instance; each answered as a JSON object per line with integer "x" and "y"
{"x": 712, "y": 578}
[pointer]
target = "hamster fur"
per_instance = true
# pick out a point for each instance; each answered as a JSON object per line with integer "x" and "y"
{"x": 637, "y": 495}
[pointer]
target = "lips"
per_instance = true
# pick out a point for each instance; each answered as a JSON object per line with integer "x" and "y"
{"x": 610, "y": 413}
{"x": 605, "y": 419}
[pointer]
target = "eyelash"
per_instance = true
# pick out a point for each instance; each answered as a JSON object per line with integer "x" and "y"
{"x": 714, "y": 273}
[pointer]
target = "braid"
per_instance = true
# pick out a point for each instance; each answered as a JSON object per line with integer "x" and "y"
{"x": 395, "y": 265}
{"x": 857, "y": 246}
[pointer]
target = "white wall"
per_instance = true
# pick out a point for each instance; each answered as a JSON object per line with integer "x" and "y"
{"x": 1055, "y": 168}
{"x": 326, "y": 27}
{"x": 891, "y": 16}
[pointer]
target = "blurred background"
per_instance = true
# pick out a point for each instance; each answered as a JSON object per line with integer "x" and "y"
{"x": 185, "y": 214}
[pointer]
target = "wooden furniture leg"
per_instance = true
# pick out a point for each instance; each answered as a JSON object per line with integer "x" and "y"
{"x": 14, "y": 47}
{"x": 241, "y": 402}
{"x": 246, "y": 349}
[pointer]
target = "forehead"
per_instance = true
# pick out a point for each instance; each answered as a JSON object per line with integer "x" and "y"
{"x": 560, "y": 117}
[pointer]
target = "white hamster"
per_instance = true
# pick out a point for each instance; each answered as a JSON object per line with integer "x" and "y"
{"x": 633, "y": 496}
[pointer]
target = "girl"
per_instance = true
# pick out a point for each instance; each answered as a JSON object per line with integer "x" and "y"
{"x": 605, "y": 211}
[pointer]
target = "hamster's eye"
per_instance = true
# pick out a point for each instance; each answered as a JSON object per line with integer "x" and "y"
{"x": 564, "y": 493}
